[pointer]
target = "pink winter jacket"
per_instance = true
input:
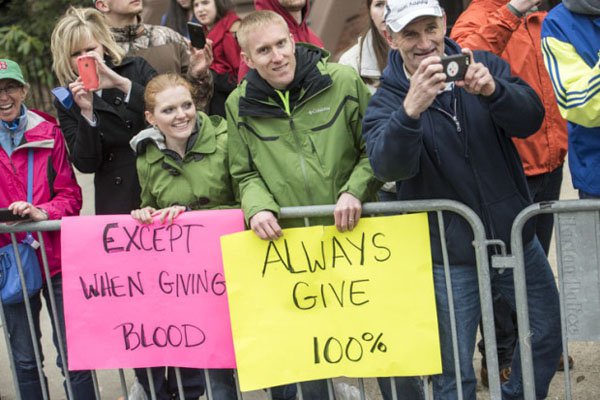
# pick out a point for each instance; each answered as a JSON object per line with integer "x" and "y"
{"x": 55, "y": 189}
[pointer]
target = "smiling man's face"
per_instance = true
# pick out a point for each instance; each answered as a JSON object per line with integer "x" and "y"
{"x": 422, "y": 38}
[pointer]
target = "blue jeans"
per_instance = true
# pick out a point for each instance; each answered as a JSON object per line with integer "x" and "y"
{"x": 310, "y": 390}
{"x": 22, "y": 345}
{"x": 165, "y": 383}
{"x": 543, "y": 187}
{"x": 407, "y": 388}
{"x": 544, "y": 319}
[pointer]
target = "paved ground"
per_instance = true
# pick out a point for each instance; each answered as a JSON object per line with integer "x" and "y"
{"x": 584, "y": 377}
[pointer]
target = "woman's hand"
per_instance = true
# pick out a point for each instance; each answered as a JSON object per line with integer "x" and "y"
{"x": 169, "y": 214}
{"x": 25, "y": 209}
{"x": 143, "y": 215}
{"x": 146, "y": 215}
{"x": 107, "y": 78}
{"x": 83, "y": 98}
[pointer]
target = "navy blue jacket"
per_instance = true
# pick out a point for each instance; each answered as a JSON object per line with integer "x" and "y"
{"x": 469, "y": 158}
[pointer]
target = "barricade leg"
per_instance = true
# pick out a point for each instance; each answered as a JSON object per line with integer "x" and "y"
{"x": 82, "y": 384}
{"x": 11, "y": 359}
{"x": 544, "y": 320}
{"x": 465, "y": 295}
{"x": 27, "y": 369}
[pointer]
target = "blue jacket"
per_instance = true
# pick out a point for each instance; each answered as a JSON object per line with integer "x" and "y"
{"x": 459, "y": 149}
{"x": 571, "y": 46}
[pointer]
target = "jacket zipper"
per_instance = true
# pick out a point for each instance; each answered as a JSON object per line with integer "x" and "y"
{"x": 454, "y": 118}
{"x": 302, "y": 159}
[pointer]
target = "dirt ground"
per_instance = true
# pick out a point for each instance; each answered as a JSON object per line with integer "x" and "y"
{"x": 585, "y": 376}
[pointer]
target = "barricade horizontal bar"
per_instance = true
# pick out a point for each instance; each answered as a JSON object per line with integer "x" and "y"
{"x": 384, "y": 208}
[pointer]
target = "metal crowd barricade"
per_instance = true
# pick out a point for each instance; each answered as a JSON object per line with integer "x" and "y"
{"x": 480, "y": 245}
{"x": 577, "y": 234}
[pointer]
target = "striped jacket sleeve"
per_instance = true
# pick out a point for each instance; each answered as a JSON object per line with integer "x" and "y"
{"x": 576, "y": 84}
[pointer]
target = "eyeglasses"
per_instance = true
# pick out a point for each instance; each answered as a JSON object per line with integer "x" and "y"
{"x": 10, "y": 90}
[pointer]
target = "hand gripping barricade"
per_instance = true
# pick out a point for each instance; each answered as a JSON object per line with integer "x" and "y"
{"x": 577, "y": 234}
{"x": 439, "y": 207}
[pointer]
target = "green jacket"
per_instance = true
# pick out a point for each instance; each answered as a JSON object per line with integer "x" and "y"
{"x": 305, "y": 149}
{"x": 200, "y": 180}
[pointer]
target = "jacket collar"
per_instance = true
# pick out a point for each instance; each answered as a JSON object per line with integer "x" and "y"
{"x": 260, "y": 99}
{"x": 128, "y": 33}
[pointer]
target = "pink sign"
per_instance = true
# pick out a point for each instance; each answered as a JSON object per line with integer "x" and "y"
{"x": 147, "y": 295}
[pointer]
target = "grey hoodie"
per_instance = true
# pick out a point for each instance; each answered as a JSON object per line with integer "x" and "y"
{"x": 589, "y": 7}
{"x": 151, "y": 133}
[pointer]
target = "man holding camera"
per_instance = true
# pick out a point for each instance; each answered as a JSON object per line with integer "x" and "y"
{"x": 452, "y": 140}
{"x": 512, "y": 30}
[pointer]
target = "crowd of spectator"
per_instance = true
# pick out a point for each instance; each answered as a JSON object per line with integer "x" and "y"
{"x": 261, "y": 118}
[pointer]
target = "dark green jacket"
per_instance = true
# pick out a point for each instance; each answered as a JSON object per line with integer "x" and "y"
{"x": 304, "y": 151}
{"x": 200, "y": 180}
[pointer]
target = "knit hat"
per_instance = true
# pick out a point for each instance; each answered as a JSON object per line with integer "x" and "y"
{"x": 11, "y": 70}
{"x": 399, "y": 13}
{"x": 589, "y": 7}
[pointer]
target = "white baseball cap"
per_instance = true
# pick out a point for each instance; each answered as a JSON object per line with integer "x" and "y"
{"x": 399, "y": 13}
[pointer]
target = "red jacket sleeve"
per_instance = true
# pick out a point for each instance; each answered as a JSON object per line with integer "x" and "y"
{"x": 479, "y": 29}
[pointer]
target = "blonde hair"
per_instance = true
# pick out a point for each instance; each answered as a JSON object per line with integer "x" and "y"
{"x": 254, "y": 20}
{"x": 76, "y": 26}
{"x": 161, "y": 83}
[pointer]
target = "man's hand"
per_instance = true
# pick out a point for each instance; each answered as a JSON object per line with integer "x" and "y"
{"x": 523, "y": 6}
{"x": 265, "y": 225}
{"x": 200, "y": 60}
{"x": 425, "y": 85}
{"x": 347, "y": 212}
{"x": 478, "y": 79}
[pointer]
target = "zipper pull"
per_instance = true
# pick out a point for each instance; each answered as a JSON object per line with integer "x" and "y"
{"x": 457, "y": 123}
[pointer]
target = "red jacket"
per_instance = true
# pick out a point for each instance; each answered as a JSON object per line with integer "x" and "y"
{"x": 226, "y": 50}
{"x": 300, "y": 31}
{"x": 55, "y": 189}
{"x": 489, "y": 25}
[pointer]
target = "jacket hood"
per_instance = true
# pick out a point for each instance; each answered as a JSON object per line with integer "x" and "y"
{"x": 588, "y": 7}
{"x": 275, "y": 5}
{"x": 394, "y": 75}
{"x": 308, "y": 79}
{"x": 139, "y": 142}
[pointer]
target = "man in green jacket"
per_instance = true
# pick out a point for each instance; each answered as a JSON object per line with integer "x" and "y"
{"x": 294, "y": 128}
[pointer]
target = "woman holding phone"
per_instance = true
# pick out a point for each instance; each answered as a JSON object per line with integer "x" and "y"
{"x": 182, "y": 163}
{"x": 98, "y": 122}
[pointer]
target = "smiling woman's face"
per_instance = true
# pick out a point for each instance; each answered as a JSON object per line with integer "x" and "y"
{"x": 12, "y": 95}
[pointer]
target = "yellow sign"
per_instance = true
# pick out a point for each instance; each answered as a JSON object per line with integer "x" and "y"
{"x": 318, "y": 303}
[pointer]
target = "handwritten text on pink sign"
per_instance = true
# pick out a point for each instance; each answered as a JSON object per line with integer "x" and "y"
{"x": 147, "y": 295}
